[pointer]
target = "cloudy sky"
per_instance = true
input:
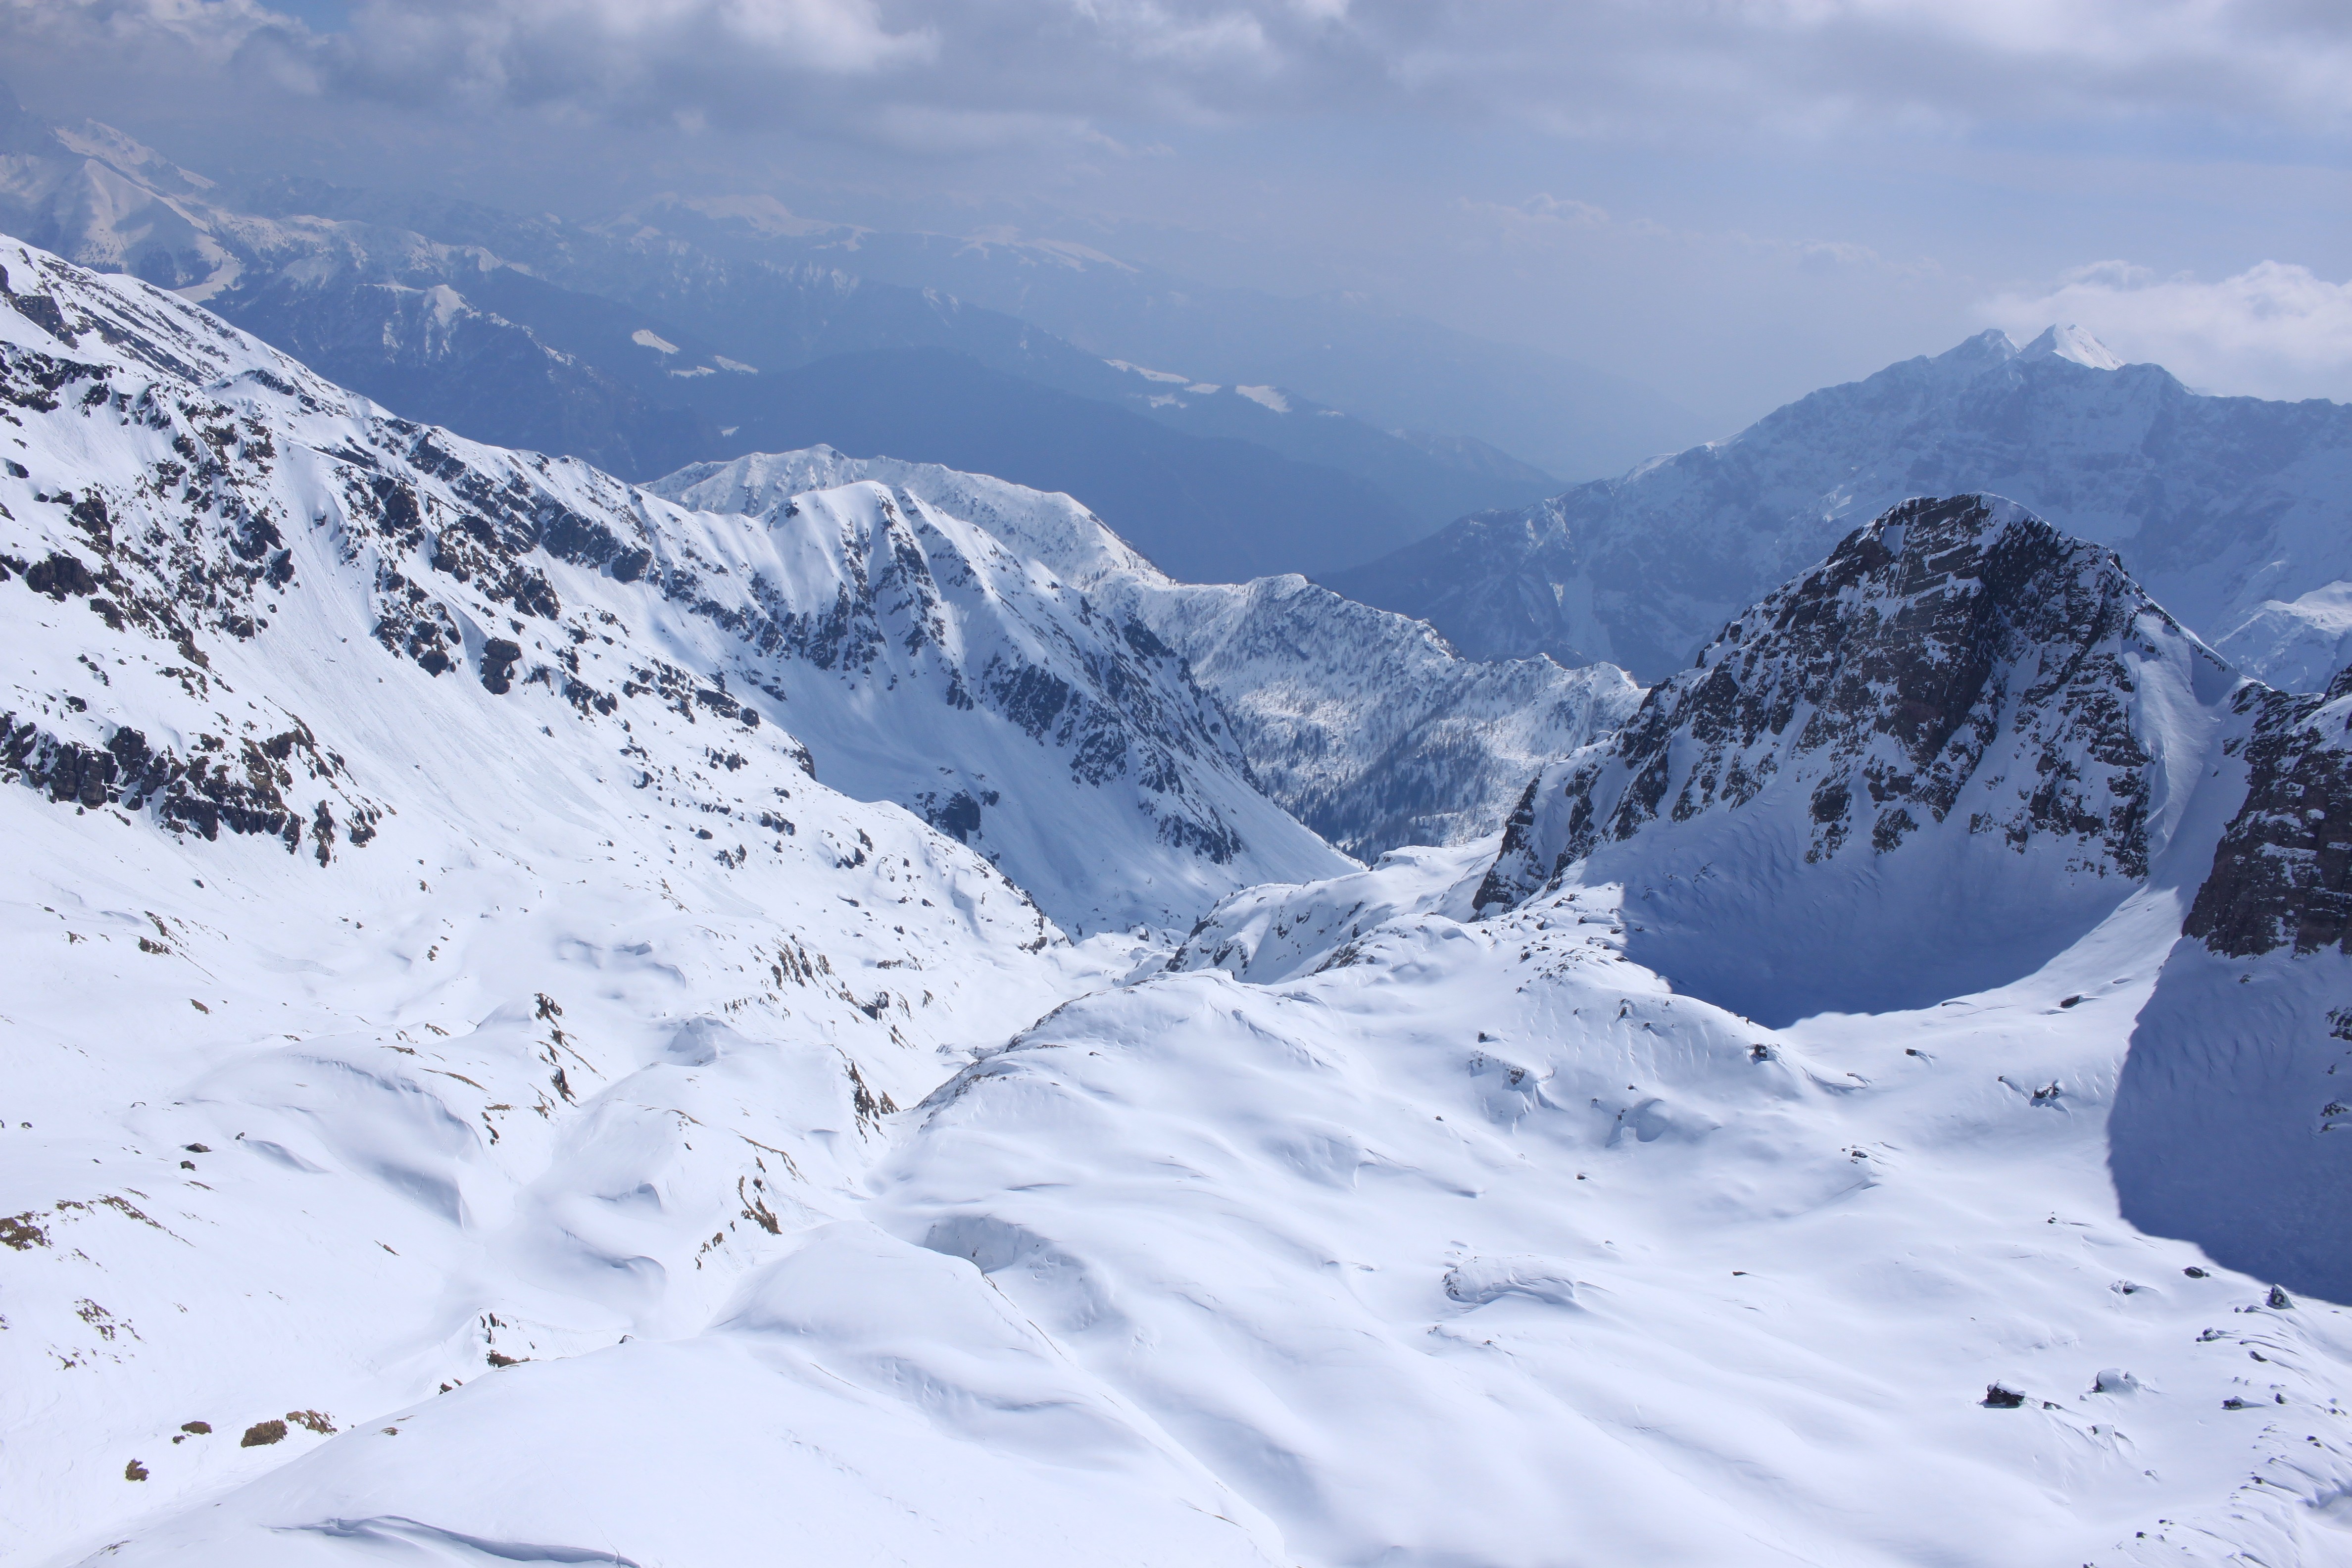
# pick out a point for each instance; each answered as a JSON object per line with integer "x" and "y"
{"x": 1732, "y": 200}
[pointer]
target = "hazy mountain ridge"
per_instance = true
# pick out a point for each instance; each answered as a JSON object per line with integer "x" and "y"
{"x": 636, "y": 349}
{"x": 1396, "y": 371}
{"x": 2224, "y": 508}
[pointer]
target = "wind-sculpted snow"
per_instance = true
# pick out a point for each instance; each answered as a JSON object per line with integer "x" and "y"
{"x": 2220, "y": 505}
{"x": 1486, "y": 1247}
{"x": 1280, "y": 931}
{"x": 2232, "y": 1122}
{"x": 1922, "y": 768}
{"x": 1363, "y": 724}
{"x": 187, "y": 480}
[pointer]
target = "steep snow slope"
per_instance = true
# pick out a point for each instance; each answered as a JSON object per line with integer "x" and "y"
{"x": 1365, "y": 725}
{"x": 2217, "y": 505}
{"x": 916, "y": 657}
{"x": 1924, "y": 767}
{"x": 2228, "y": 1122}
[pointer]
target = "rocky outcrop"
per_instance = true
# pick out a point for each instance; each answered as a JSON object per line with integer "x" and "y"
{"x": 2282, "y": 878}
{"x": 1960, "y": 698}
{"x": 2231, "y": 1125}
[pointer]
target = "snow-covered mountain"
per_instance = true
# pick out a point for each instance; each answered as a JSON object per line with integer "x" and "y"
{"x": 1923, "y": 768}
{"x": 1362, "y": 724}
{"x": 436, "y": 955}
{"x": 2231, "y": 510}
{"x": 913, "y": 656}
{"x": 427, "y": 1145}
{"x": 2227, "y": 1121}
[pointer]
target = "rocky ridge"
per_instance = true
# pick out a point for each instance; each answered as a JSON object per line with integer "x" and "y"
{"x": 188, "y": 485}
{"x": 2232, "y": 1113}
{"x": 1959, "y": 696}
{"x": 1365, "y": 725}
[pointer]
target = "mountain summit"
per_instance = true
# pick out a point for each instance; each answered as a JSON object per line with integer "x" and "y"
{"x": 2233, "y": 511}
{"x": 1920, "y": 769}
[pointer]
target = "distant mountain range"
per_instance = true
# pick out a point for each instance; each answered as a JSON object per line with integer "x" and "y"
{"x": 2236, "y": 514}
{"x": 633, "y": 348}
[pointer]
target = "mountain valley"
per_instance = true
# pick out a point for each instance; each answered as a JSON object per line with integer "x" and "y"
{"x": 830, "y": 1005}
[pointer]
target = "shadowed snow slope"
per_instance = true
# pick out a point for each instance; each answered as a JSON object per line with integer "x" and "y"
{"x": 1922, "y": 768}
{"x": 2231, "y": 1124}
{"x": 1364, "y": 724}
{"x": 2217, "y": 505}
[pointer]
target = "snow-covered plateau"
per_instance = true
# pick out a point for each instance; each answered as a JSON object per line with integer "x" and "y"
{"x": 556, "y": 1025}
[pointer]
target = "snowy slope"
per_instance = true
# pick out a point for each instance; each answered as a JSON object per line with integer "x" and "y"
{"x": 521, "y": 572}
{"x": 427, "y": 1146}
{"x": 1924, "y": 767}
{"x": 1480, "y": 1241}
{"x": 2229, "y": 1120}
{"x": 2218, "y": 505}
{"x": 1364, "y": 724}
{"x": 392, "y": 1015}
{"x": 1485, "y": 1246}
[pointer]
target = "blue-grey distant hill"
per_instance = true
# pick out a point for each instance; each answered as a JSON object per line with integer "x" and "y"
{"x": 641, "y": 350}
{"x": 2235, "y": 512}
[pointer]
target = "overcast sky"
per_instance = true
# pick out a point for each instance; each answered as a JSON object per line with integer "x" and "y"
{"x": 1732, "y": 200}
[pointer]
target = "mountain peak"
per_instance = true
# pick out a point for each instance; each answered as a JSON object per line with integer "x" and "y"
{"x": 2072, "y": 342}
{"x": 21, "y": 131}
{"x": 1951, "y": 712}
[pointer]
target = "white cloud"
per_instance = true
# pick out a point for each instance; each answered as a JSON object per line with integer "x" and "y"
{"x": 1580, "y": 67}
{"x": 2274, "y": 331}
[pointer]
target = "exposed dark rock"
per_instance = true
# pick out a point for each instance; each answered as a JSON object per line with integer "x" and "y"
{"x": 59, "y": 575}
{"x": 498, "y": 656}
{"x": 2283, "y": 873}
{"x": 1957, "y": 688}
